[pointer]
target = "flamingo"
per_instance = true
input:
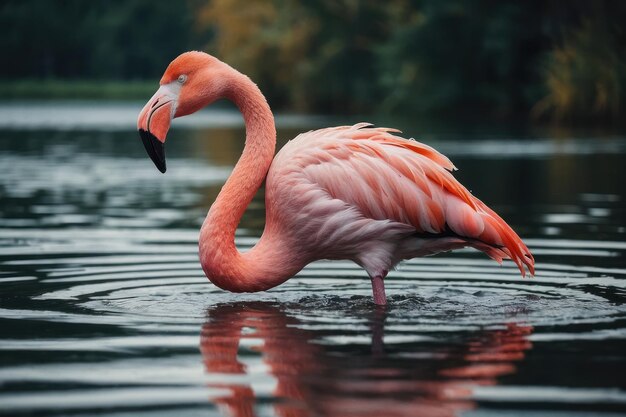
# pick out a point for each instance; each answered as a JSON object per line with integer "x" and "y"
{"x": 361, "y": 193}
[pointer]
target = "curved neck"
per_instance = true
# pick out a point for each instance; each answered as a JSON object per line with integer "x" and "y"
{"x": 223, "y": 264}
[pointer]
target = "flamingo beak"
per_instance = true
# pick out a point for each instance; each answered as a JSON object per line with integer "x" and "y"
{"x": 155, "y": 149}
{"x": 154, "y": 122}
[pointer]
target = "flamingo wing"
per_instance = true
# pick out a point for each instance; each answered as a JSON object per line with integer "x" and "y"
{"x": 385, "y": 177}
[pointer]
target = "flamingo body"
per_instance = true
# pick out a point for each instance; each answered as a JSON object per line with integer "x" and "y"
{"x": 352, "y": 192}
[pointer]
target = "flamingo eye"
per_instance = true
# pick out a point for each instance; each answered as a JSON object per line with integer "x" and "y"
{"x": 182, "y": 78}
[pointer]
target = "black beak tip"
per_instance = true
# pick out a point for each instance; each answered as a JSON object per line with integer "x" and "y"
{"x": 155, "y": 149}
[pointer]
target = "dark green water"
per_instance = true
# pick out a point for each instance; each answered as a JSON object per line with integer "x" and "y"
{"x": 105, "y": 311}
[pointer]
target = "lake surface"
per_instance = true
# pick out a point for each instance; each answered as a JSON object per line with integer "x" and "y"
{"x": 104, "y": 309}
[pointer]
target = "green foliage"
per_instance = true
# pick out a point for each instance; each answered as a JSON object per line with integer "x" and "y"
{"x": 586, "y": 75}
{"x": 311, "y": 56}
{"x": 489, "y": 59}
{"x": 461, "y": 57}
{"x": 119, "y": 39}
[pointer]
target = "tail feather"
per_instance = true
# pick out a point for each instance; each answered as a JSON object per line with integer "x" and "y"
{"x": 499, "y": 241}
{"x": 497, "y": 254}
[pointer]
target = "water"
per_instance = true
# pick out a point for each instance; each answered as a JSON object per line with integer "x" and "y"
{"x": 104, "y": 309}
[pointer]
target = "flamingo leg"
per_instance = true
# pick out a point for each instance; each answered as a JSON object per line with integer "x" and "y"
{"x": 378, "y": 289}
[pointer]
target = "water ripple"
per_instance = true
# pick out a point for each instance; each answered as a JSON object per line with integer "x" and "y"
{"x": 104, "y": 308}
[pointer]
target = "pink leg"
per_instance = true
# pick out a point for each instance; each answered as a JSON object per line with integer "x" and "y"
{"x": 378, "y": 288}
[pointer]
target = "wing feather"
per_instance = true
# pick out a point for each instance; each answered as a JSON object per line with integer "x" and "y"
{"x": 387, "y": 177}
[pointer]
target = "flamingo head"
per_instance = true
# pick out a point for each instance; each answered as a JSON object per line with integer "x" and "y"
{"x": 191, "y": 81}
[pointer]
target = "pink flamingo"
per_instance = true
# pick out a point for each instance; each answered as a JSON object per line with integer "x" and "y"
{"x": 351, "y": 192}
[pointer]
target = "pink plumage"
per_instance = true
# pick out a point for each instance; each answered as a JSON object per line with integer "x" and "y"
{"x": 351, "y": 192}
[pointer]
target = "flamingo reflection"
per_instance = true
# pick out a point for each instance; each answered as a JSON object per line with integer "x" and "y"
{"x": 316, "y": 379}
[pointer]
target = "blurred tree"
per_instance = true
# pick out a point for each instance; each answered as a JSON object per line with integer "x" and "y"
{"x": 265, "y": 40}
{"x": 312, "y": 55}
{"x": 456, "y": 58}
{"x": 463, "y": 57}
{"x": 112, "y": 39}
{"x": 421, "y": 56}
{"x": 585, "y": 74}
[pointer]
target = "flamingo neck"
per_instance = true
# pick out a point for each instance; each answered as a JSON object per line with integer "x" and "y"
{"x": 224, "y": 265}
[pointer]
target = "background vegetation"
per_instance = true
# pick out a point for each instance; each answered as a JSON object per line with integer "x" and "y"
{"x": 489, "y": 59}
